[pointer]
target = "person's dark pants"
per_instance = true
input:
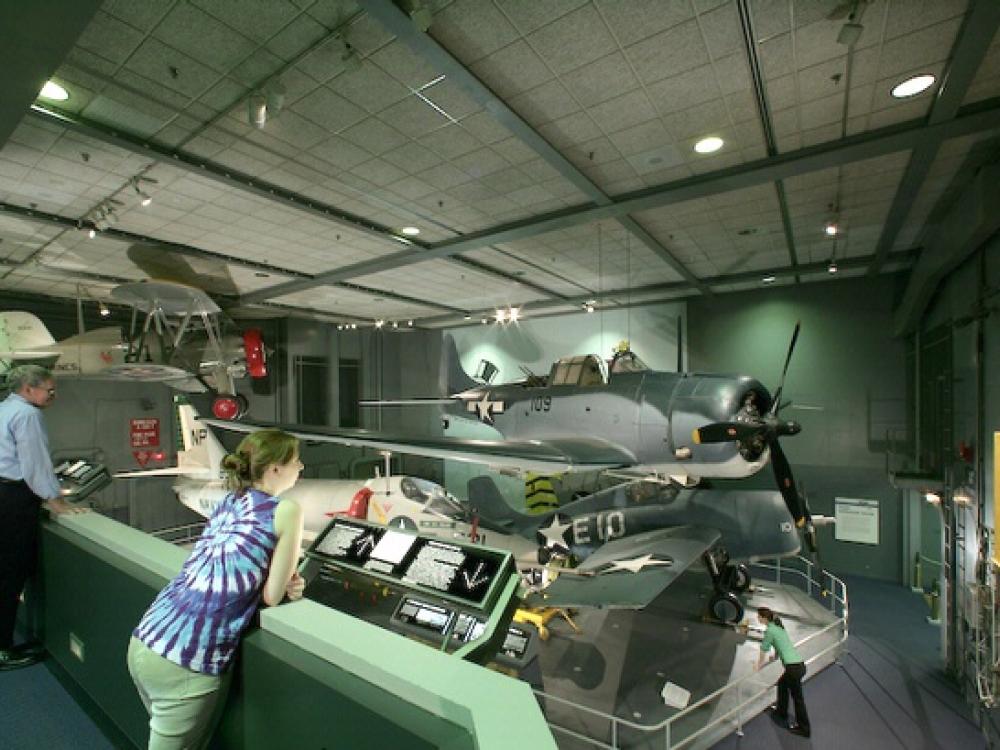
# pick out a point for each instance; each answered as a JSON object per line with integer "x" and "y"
{"x": 791, "y": 682}
{"x": 19, "y": 512}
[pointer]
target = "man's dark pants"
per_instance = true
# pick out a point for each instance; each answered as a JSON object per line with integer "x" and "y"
{"x": 19, "y": 512}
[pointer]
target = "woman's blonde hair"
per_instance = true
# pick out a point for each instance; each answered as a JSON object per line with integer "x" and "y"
{"x": 255, "y": 453}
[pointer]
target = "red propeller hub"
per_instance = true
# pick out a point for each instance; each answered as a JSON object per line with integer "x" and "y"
{"x": 225, "y": 407}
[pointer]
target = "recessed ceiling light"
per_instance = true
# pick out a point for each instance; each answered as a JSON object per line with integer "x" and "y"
{"x": 52, "y": 90}
{"x": 769, "y": 279}
{"x": 410, "y": 231}
{"x": 709, "y": 145}
{"x": 913, "y": 86}
{"x": 831, "y": 229}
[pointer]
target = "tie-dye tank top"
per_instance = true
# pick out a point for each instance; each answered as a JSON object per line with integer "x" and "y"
{"x": 197, "y": 620}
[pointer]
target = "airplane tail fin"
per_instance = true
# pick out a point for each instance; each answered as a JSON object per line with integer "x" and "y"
{"x": 494, "y": 512}
{"x": 24, "y": 337}
{"x": 201, "y": 451}
{"x": 454, "y": 378}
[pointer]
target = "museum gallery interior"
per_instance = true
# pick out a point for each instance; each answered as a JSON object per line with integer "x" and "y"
{"x": 642, "y": 355}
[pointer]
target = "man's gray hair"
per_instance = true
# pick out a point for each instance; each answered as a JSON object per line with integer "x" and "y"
{"x": 27, "y": 375}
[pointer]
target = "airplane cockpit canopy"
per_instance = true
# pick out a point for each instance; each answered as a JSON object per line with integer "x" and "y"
{"x": 434, "y": 497}
{"x": 627, "y": 361}
{"x": 584, "y": 370}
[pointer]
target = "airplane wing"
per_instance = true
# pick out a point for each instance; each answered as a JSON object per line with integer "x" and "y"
{"x": 628, "y": 573}
{"x": 542, "y": 456}
{"x": 171, "y": 297}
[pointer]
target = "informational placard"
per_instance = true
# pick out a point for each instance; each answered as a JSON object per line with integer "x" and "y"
{"x": 856, "y": 520}
{"x": 463, "y": 572}
{"x": 144, "y": 433}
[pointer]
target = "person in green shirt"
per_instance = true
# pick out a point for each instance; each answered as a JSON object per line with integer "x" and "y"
{"x": 777, "y": 638}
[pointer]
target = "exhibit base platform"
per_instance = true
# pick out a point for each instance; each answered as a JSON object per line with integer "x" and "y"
{"x": 604, "y": 687}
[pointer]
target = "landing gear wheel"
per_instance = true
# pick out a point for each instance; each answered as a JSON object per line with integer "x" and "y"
{"x": 725, "y": 607}
{"x": 736, "y": 578}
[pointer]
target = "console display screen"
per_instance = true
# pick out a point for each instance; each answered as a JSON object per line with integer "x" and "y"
{"x": 350, "y": 542}
{"x": 457, "y": 570}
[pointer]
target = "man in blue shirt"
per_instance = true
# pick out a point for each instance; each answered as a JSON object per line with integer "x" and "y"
{"x": 27, "y": 481}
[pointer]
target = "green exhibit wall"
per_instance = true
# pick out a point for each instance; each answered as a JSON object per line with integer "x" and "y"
{"x": 847, "y": 387}
{"x": 97, "y": 577}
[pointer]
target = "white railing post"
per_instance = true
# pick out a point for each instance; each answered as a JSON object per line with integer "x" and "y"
{"x": 739, "y": 708}
{"x": 809, "y": 578}
{"x": 666, "y": 736}
{"x": 777, "y": 574}
{"x": 614, "y": 732}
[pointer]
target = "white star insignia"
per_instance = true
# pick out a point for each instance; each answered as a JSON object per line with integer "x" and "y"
{"x": 486, "y": 408}
{"x": 635, "y": 564}
{"x": 555, "y": 533}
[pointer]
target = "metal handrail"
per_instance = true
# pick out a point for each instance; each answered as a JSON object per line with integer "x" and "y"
{"x": 838, "y": 593}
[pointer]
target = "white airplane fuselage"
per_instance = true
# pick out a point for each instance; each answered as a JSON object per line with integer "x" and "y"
{"x": 323, "y": 499}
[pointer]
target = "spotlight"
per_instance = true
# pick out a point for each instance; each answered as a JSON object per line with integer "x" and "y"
{"x": 932, "y": 498}
{"x": 500, "y": 315}
{"x": 92, "y": 233}
{"x": 257, "y": 109}
{"x": 103, "y": 309}
{"x": 144, "y": 198}
{"x": 354, "y": 326}
{"x": 831, "y": 229}
{"x": 379, "y": 323}
{"x": 484, "y": 321}
{"x": 468, "y": 316}
{"x": 395, "y": 324}
{"x": 410, "y": 231}
{"x": 409, "y": 323}
{"x": 513, "y": 314}
{"x": 589, "y": 305}
{"x": 769, "y": 279}
{"x": 832, "y": 268}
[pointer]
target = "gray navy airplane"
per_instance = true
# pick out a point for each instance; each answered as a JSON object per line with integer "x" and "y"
{"x": 587, "y": 415}
{"x": 634, "y": 540}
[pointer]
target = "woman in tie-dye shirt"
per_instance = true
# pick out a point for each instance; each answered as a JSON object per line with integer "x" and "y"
{"x": 180, "y": 651}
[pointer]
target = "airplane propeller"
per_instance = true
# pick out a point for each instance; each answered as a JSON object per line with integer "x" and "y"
{"x": 756, "y": 432}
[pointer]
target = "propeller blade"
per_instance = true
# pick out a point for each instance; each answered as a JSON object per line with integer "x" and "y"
{"x": 786, "y": 484}
{"x": 725, "y": 432}
{"x": 788, "y": 358}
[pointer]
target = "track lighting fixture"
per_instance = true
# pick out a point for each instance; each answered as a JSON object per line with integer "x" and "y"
{"x": 144, "y": 198}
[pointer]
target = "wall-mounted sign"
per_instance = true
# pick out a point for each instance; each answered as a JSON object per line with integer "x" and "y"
{"x": 144, "y": 433}
{"x": 857, "y": 520}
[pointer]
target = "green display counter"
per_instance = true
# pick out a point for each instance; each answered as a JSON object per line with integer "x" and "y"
{"x": 307, "y": 677}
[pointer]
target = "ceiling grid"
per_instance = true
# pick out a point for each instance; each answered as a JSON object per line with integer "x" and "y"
{"x": 372, "y": 138}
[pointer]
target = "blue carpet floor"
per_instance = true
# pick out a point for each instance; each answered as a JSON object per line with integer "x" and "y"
{"x": 887, "y": 692}
{"x": 36, "y": 713}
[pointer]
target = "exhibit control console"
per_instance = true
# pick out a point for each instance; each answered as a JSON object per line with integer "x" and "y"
{"x": 460, "y": 597}
{"x": 430, "y": 621}
{"x": 80, "y": 478}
